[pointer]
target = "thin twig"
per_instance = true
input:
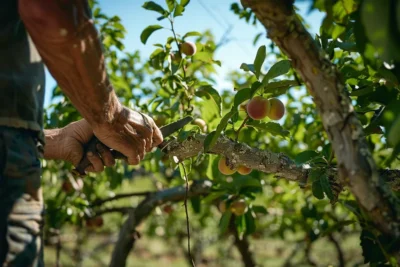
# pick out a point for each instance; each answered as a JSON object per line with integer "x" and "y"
{"x": 179, "y": 50}
{"x": 187, "y": 214}
{"x": 240, "y": 128}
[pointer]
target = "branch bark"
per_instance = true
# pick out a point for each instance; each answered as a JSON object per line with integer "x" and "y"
{"x": 266, "y": 161}
{"x": 242, "y": 244}
{"x": 355, "y": 164}
{"x": 127, "y": 234}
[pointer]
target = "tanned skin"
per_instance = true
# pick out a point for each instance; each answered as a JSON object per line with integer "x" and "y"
{"x": 69, "y": 45}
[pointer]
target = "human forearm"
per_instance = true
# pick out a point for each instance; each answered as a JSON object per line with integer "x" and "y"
{"x": 69, "y": 44}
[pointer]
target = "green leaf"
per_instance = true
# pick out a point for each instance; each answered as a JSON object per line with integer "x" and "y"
{"x": 337, "y": 31}
{"x": 247, "y": 67}
{"x": 193, "y": 33}
{"x": 371, "y": 250}
{"x": 196, "y": 204}
{"x": 224, "y": 221}
{"x": 155, "y": 7}
{"x": 270, "y": 127}
{"x": 170, "y": 4}
{"x": 212, "y": 137}
{"x": 259, "y": 60}
{"x": 241, "y": 96}
{"x": 305, "y": 156}
{"x": 317, "y": 190}
{"x": 280, "y": 87}
{"x": 250, "y": 223}
{"x": 326, "y": 186}
{"x": 259, "y": 209}
{"x": 179, "y": 9}
{"x": 148, "y": 31}
{"x": 394, "y": 133}
{"x": 378, "y": 29}
{"x": 184, "y": 2}
{"x": 204, "y": 56}
{"x": 208, "y": 92}
{"x": 278, "y": 69}
{"x": 315, "y": 174}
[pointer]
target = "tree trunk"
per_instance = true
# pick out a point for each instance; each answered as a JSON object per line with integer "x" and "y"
{"x": 355, "y": 164}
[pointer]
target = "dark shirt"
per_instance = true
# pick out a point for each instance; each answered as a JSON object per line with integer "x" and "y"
{"x": 22, "y": 76}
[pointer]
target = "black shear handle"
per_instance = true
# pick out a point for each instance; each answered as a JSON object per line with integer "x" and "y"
{"x": 91, "y": 146}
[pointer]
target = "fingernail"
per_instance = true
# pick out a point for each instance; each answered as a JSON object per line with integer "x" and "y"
{"x": 90, "y": 153}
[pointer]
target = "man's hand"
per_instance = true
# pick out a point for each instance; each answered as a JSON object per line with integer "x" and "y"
{"x": 67, "y": 144}
{"x": 132, "y": 133}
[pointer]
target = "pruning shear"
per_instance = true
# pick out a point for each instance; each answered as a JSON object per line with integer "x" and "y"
{"x": 166, "y": 131}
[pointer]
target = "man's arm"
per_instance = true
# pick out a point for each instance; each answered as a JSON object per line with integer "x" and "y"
{"x": 70, "y": 47}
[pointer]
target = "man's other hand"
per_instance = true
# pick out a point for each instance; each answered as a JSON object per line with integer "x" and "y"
{"x": 67, "y": 144}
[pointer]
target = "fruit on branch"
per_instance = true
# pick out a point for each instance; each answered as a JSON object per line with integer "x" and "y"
{"x": 258, "y": 108}
{"x": 276, "y": 109}
{"x": 176, "y": 57}
{"x": 243, "y": 170}
{"x": 238, "y": 207}
{"x": 222, "y": 206}
{"x": 201, "y": 123}
{"x": 94, "y": 222}
{"x": 224, "y": 168}
{"x": 243, "y": 106}
{"x": 67, "y": 187}
{"x": 168, "y": 208}
{"x": 188, "y": 48}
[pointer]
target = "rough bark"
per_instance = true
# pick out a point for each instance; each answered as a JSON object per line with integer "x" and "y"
{"x": 266, "y": 161}
{"x": 128, "y": 235}
{"x": 355, "y": 164}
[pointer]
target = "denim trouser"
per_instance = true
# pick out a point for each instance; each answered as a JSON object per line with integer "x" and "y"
{"x": 21, "y": 203}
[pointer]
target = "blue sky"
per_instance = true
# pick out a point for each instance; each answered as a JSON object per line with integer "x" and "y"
{"x": 200, "y": 15}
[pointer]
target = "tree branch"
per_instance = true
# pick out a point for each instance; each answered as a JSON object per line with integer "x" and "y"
{"x": 266, "y": 161}
{"x": 127, "y": 234}
{"x": 100, "y": 202}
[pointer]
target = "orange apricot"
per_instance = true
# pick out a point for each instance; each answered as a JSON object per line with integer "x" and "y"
{"x": 276, "y": 109}
{"x": 188, "y": 48}
{"x": 224, "y": 168}
{"x": 243, "y": 170}
{"x": 258, "y": 108}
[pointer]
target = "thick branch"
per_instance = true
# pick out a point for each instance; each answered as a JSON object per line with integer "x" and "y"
{"x": 127, "y": 234}
{"x": 344, "y": 130}
{"x": 262, "y": 160}
{"x": 243, "y": 245}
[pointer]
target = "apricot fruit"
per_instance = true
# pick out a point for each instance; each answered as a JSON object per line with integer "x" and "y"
{"x": 95, "y": 222}
{"x": 188, "y": 48}
{"x": 276, "y": 109}
{"x": 243, "y": 170}
{"x": 201, "y": 123}
{"x": 258, "y": 108}
{"x": 176, "y": 57}
{"x": 168, "y": 209}
{"x": 222, "y": 206}
{"x": 224, "y": 168}
{"x": 67, "y": 187}
{"x": 238, "y": 207}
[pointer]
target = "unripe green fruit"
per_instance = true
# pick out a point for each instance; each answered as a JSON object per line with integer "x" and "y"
{"x": 176, "y": 57}
{"x": 276, "y": 109}
{"x": 188, "y": 48}
{"x": 202, "y": 124}
{"x": 222, "y": 206}
{"x": 258, "y": 108}
{"x": 243, "y": 170}
{"x": 224, "y": 168}
{"x": 238, "y": 207}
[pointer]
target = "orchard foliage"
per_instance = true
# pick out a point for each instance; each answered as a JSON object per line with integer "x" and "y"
{"x": 178, "y": 79}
